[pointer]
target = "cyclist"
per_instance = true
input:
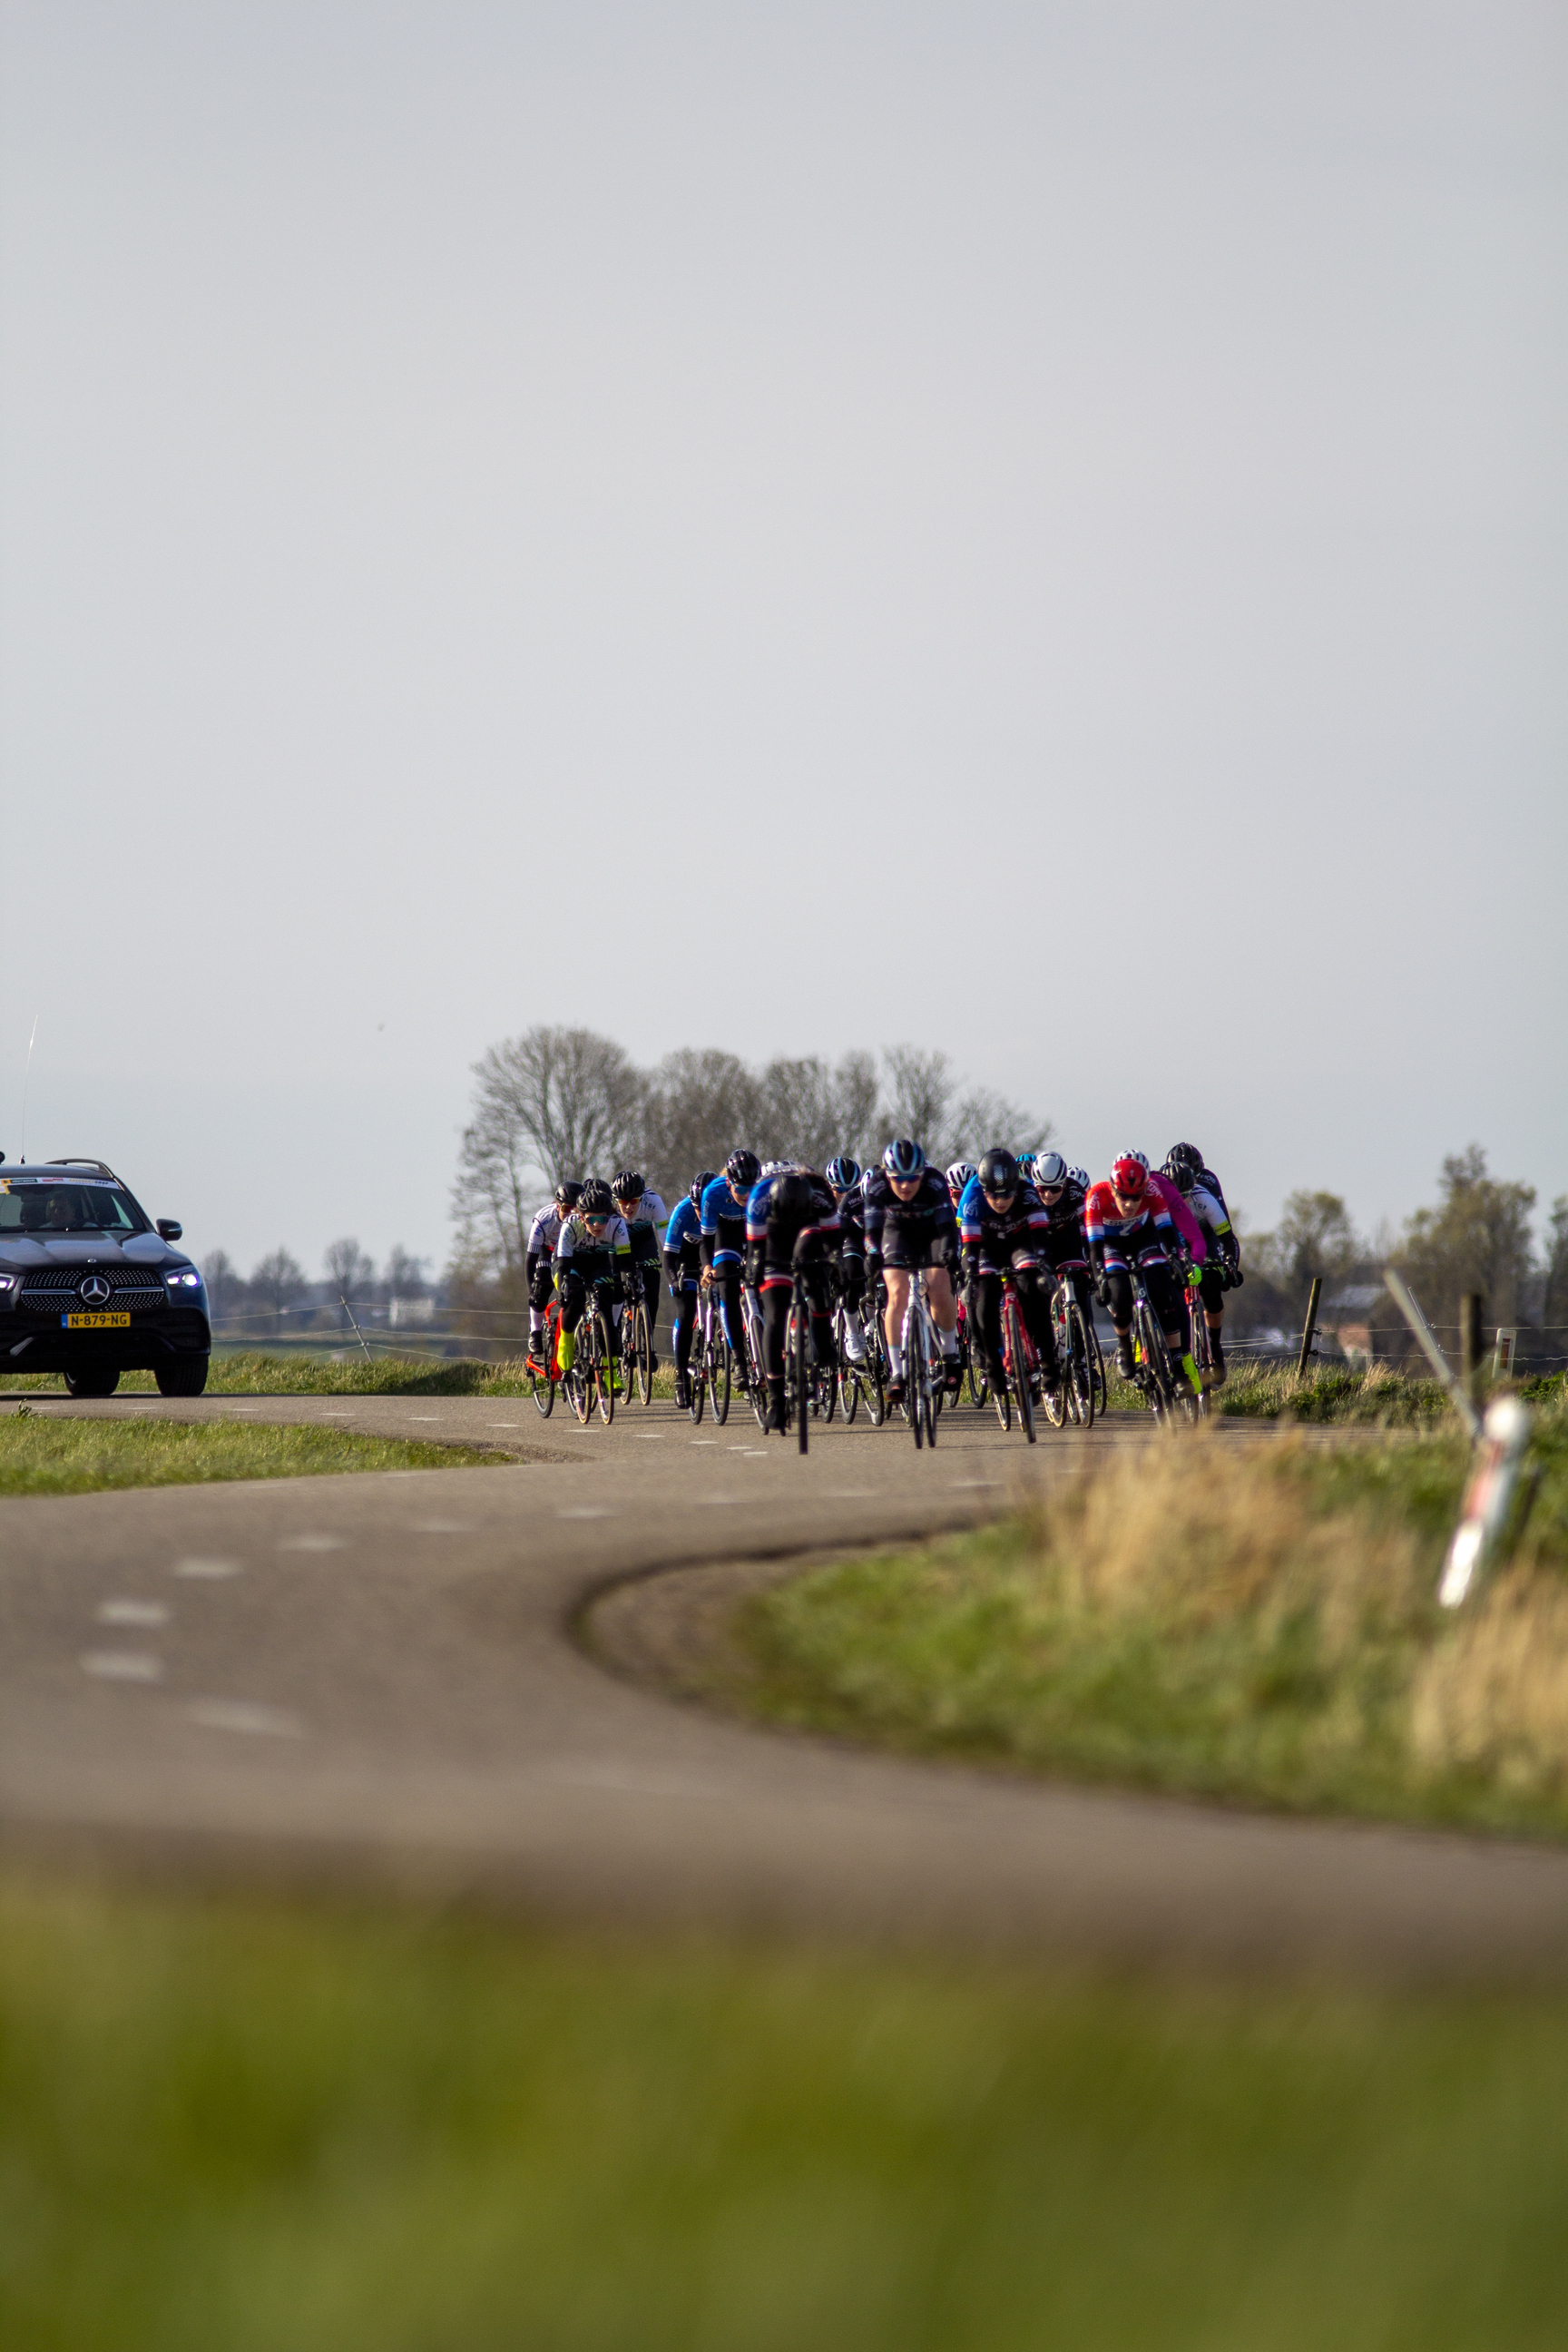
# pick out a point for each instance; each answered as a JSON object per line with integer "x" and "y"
{"x": 791, "y": 1218}
{"x": 1062, "y": 1191}
{"x": 845, "y": 1182}
{"x": 543, "y": 1235}
{"x": 682, "y": 1264}
{"x": 959, "y": 1176}
{"x": 910, "y": 1225}
{"x": 592, "y": 1251}
{"x": 1200, "y": 1188}
{"x": 1127, "y": 1223}
{"x": 644, "y": 1213}
{"x": 723, "y": 1244}
{"x": 1002, "y": 1222}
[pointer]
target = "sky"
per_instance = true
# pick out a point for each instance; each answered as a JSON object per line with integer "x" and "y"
{"x": 1036, "y": 530}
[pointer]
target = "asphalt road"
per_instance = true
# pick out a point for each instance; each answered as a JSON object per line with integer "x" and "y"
{"x": 373, "y": 1680}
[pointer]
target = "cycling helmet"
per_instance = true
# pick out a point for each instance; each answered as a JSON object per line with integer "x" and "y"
{"x": 699, "y": 1185}
{"x": 842, "y": 1173}
{"x": 998, "y": 1171}
{"x": 1026, "y": 1166}
{"x": 1183, "y": 1155}
{"x": 742, "y": 1168}
{"x": 1130, "y": 1174}
{"x": 596, "y": 1200}
{"x": 958, "y": 1176}
{"x": 791, "y": 1190}
{"x": 1050, "y": 1169}
{"x": 1181, "y": 1173}
{"x": 628, "y": 1185}
{"x": 567, "y": 1194}
{"x": 1079, "y": 1176}
{"x": 904, "y": 1160}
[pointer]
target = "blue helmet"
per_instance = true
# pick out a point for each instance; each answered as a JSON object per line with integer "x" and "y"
{"x": 842, "y": 1172}
{"x": 904, "y": 1160}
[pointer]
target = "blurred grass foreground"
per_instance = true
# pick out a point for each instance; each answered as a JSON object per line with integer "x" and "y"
{"x": 245, "y": 2125}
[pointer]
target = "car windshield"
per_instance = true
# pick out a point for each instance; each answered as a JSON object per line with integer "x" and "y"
{"x": 47, "y": 1205}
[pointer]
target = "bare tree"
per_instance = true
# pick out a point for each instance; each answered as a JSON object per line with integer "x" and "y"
{"x": 1556, "y": 1256}
{"x": 697, "y": 1108}
{"x": 1477, "y": 1238}
{"x": 550, "y": 1104}
{"x": 225, "y": 1285}
{"x": 405, "y": 1275}
{"x": 349, "y": 1271}
{"x": 983, "y": 1117}
{"x": 919, "y": 1098}
{"x": 278, "y": 1284}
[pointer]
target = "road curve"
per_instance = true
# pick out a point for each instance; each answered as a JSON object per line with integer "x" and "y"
{"x": 372, "y": 1679}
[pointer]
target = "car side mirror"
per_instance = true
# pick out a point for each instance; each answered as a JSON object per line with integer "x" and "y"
{"x": 170, "y": 1229}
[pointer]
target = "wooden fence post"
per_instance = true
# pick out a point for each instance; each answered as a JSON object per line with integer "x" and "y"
{"x": 1310, "y": 1334}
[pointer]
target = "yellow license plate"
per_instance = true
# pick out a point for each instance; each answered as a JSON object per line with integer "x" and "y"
{"x": 96, "y": 1322}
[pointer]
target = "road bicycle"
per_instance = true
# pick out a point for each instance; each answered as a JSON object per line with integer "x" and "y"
{"x": 1164, "y": 1385}
{"x": 751, "y": 1331}
{"x": 1020, "y": 1364}
{"x": 636, "y": 1340}
{"x": 1077, "y": 1354}
{"x": 591, "y": 1382}
{"x": 975, "y": 1377}
{"x": 866, "y": 1376}
{"x": 713, "y": 1364}
{"x": 542, "y": 1385}
{"x": 1202, "y": 1344}
{"x": 925, "y": 1375}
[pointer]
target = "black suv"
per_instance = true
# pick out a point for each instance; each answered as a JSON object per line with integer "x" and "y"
{"x": 90, "y": 1287}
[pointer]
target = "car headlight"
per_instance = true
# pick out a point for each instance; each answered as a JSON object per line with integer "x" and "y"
{"x": 8, "y": 1282}
{"x": 183, "y": 1277}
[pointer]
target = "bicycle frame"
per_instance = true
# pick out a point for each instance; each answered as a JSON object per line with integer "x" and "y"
{"x": 921, "y": 1352}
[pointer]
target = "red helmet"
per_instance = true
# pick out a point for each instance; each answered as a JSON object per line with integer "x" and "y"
{"x": 1130, "y": 1174}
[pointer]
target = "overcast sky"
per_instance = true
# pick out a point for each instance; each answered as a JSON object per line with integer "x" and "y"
{"x": 1039, "y": 530}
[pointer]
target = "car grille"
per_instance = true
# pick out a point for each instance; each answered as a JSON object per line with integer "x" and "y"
{"x": 56, "y": 1294}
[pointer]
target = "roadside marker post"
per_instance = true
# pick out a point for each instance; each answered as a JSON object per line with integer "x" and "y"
{"x": 1311, "y": 1332}
{"x": 1502, "y": 1354}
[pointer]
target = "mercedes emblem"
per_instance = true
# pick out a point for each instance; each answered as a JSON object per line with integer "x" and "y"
{"x": 94, "y": 1291}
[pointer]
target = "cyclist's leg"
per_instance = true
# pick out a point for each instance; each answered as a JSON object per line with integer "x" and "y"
{"x": 1117, "y": 1291}
{"x": 945, "y": 1314}
{"x": 1213, "y": 1292}
{"x": 986, "y": 1293}
{"x": 1169, "y": 1302}
{"x": 897, "y": 1278}
{"x": 775, "y": 1298}
{"x": 820, "y": 1292}
{"x": 851, "y": 1290}
{"x": 684, "y": 1300}
{"x": 728, "y": 1276}
{"x": 1034, "y": 1299}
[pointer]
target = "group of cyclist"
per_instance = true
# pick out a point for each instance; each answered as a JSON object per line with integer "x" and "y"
{"x": 848, "y": 1230}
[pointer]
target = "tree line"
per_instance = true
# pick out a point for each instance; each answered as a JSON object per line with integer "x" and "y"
{"x": 557, "y": 1103}
{"x": 277, "y": 1294}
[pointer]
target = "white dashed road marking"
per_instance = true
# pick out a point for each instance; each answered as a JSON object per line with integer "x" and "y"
{"x": 132, "y": 1612}
{"x": 588, "y": 1511}
{"x": 314, "y": 1543}
{"x": 442, "y": 1526}
{"x": 121, "y": 1665}
{"x": 242, "y": 1716}
{"x": 208, "y": 1568}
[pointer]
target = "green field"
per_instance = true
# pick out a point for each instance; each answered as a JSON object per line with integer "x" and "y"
{"x": 259, "y": 1374}
{"x": 1252, "y": 1624}
{"x": 242, "y": 2125}
{"x": 43, "y": 1454}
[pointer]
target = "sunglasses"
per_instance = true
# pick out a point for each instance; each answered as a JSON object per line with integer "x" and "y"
{"x": 595, "y": 1221}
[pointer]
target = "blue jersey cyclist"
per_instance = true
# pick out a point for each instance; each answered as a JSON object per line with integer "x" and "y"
{"x": 911, "y": 1226}
{"x": 790, "y": 1221}
{"x": 724, "y": 1245}
{"x": 1002, "y": 1225}
{"x": 682, "y": 1265}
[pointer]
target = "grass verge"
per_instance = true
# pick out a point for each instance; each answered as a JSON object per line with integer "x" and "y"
{"x": 259, "y": 1374}
{"x": 249, "y": 2124}
{"x": 1244, "y": 1624}
{"x": 41, "y": 1456}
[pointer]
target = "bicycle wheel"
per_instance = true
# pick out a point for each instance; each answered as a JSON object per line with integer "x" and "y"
{"x": 1149, "y": 1347}
{"x": 603, "y": 1367}
{"x": 848, "y": 1377}
{"x": 642, "y": 1355}
{"x": 1057, "y": 1402}
{"x": 542, "y": 1386}
{"x": 934, "y": 1380}
{"x": 1014, "y": 1356}
{"x": 575, "y": 1384}
{"x": 801, "y": 1336}
{"x": 719, "y": 1376}
{"x": 1083, "y": 1363}
{"x": 698, "y": 1377}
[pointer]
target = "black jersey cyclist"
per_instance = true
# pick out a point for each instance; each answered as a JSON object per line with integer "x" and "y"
{"x": 1200, "y": 1188}
{"x": 846, "y": 1182}
{"x": 1002, "y": 1225}
{"x": 593, "y": 1253}
{"x": 644, "y": 1213}
{"x": 910, "y": 1225}
{"x": 1064, "y": 1249}
{"x": 790, "y": 1221}
{"x": 538, "y": 1262}
{"x": 724, "y": 1245}
{"x": 682, "y": 1266}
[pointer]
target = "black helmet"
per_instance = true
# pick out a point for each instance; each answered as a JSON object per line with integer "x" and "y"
{"x": 904, "y": 1160}
{"x": 1181, "y": 1173}
{"x": 567, "y": 1194}
{"x": 998, "y": 1171}
{"x": 791, "y": 1190}
{"x": 628, "y": 1185}
{"x": 742, "y": 1168}
{"x": 595, "y": 1201}
{"x": 1183, "y": 1155}
{"x": 699, "y": 1185}
{"x": 843, "y": 1172}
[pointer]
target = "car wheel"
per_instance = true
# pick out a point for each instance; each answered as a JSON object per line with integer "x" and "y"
{"x": 186, "y": 1379}
{"x": 92, "y": 1384}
